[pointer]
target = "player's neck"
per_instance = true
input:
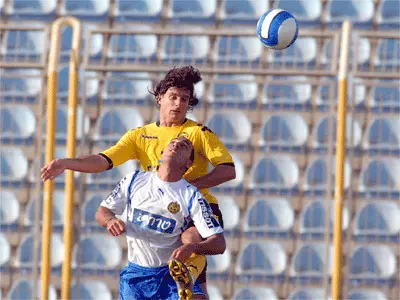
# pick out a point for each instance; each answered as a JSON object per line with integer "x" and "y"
{"x": 167, "y": 174}
{"x": 166, "y": 121}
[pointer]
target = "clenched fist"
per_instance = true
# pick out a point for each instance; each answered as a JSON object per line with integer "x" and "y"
{"x": 115, "y": 227}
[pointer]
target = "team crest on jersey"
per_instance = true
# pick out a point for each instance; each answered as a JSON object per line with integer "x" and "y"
{"x": 174, "y": 207}
{"x": 184, "y": 134}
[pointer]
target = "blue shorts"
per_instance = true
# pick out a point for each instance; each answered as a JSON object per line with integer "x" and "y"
{"x": 138, "y": 282}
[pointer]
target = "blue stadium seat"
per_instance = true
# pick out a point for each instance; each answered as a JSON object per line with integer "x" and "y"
{"x": 323, "y": 133}
{"x": 23, "y": 289}
{"x": 146, "y": 10}
{"x": 89, "y": 208}
{"x": 381, "y": 176}
{"x": 91, "y": 10}
{"x": 301, "y": 54}
{"x": 312, "y": 219}
{"x": 287, "y": 95}
{"x": 214, "y": 292}
{"x": 275, "y": 173}
{"x": 316, "y": 181}
{"x": 386, "y": 98}
{"x": 307, "y": 294}
{"x": 233, "y": 91}
{"x": 366, "y": 294}
{"x": 243, "y": 12}
{"x": 309, "y": 261}
{"x": 327, "y": 96}
{"x": 254, "y": 293}
{"x": 98, "y": 252}
{"x": 26, "y": 45}
{"x": 9, "y": 211}
{"x": 283, "y": 132}
{"x": 33, "y": 9}
{"x": 261, "y": 258}
{"x": 234, "y": 186}
{"x": 115, "y": 122}
{"x": 382, "y": 135}
{"x": 185, "y": 49}
{"x": 388, "y": 55}
{"x": 91, "y": 290}
{"x": 229, "y": 207}
{"x": 389, "y": 13}
{"x": 233, "y": 128}
{"x": 5, "y": 250}
{"x": 357, "y": 11}
{"x": 378, "y": 220}
{"x": 237, "y": 50}
{"x": 195, "y": 11}
{"x": 58, "y": 211}
{"x": 269, "y": 216}
{"x": 24, "y": 258}
{"x": 306, "y": 12}
{"x": 17, "y": 124}
{"x": 20, "y": 85}
{"x": 14, "y": 165}
{"x": 218, "y": 266}
{"x": 372, "y": 262}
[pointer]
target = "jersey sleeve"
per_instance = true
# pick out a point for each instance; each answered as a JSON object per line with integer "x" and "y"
{"x": 119, "y": 197}
{"x": 214, "y": 150}
{"x": 202, "y": 215}
{"x": 125, "y": 149}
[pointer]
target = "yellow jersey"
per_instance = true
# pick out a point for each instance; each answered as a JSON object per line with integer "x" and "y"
{"x": 147, "y": 143}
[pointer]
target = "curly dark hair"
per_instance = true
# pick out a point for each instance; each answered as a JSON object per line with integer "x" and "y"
{"x": 183, "y": 77}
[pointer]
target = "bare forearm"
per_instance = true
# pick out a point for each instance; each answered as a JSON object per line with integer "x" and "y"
{"x": 103, "y": 215}
{"x": 217, "y": 176}
{"x": 213, "y": 245}
{"x": 93, "y": 163}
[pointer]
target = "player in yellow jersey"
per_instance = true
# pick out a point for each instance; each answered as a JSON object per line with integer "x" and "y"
{"x": 174, "y": 97}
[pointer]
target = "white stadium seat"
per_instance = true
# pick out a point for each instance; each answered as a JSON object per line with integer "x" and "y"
{"x": 185, "y": 49}
{"x": 86, "y": 8}
{"x": 29, "y": 8}
{"x": 17, "y": 123}
{"x": 9, "y": 208}
{"x": 219, "y": 264}
{"x": 191, "y": 11}
{"x": 23, "y": 289}
{"x": 23, "y": 45}
{"x": 20, "y": 83}
{"x": 239, "y": 11}
{"x": 91, "y": 290}
{"x": 237, "y": 50}
{"x": 307, "y": 294}
{"x": 304, "y": 10}
{"x": 382, "y": 134}
{"x": 14, "y": 164}
{"x": 255, "y": 293}
{"x": 366, "y": 294}
{"x": 389, "y": 12}
{"x": 127, "y": 9}
{"x": 357, "y": 11}
{"x": 229, "y": 207}
{"x": 5, "y": 250}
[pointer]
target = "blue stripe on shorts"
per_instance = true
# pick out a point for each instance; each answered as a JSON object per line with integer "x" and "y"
{"x": 138, "y": 282}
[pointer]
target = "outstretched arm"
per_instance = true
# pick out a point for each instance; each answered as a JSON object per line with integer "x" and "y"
{"x": 220, "y": 174}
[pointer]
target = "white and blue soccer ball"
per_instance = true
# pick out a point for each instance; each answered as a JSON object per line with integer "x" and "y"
{"x": 277, "y": 29}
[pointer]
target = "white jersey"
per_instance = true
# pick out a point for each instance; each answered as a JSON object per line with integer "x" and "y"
{"x": 157, "y": 213}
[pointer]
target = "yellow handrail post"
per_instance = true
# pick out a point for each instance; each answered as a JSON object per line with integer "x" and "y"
{"x": 50, "y": 141}
{"x": 340, "y": 157}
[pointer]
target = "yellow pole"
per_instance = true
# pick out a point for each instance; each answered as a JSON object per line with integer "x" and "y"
{"x": 50, "y": 141}
{"x": 340, "y": 158}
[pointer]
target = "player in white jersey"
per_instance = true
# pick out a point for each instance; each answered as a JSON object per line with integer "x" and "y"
{"x": 159, "y": 207}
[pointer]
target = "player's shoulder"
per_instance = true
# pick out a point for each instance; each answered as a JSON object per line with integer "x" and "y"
{"x": 196, "y": 127}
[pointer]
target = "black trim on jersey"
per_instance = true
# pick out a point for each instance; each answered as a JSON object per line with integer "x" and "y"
{"x": 227, "y": 164}
{"x": 158, "y": 122}
{"x": 110, "y": 163}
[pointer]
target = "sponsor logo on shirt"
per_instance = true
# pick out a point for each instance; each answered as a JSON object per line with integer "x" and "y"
{"x": 208, "y": 213}
{"x": 149, "y": 137}
{"x": 111, "y": 197}
{"x": 151, "y": 221}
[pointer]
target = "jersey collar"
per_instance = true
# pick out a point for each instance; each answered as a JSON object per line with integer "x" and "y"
{"x": 158, "y": 122}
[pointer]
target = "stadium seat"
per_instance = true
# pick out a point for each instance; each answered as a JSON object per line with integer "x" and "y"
{"x": 312, "y": 218}
{"x": 219, "y": 264}
{"x": 115, "y": 122}
{"x": 23, "y": 289}
{"x": 89, "y": 209}
{"x": 24, "y": 258}
{"x": 389, "y": 13}
{"x": 20, "y": 85}
{"x": 283, "y": 132}
{"x": 38, "y": 9}
{"x": 195, "y": 11}
{"x": 233, "y": 91}
{"x": 376, "y": 262}
{"x": 307, "y": 294}
{"x": 146, "y": 10}
{"x": 23, "y": 45}
{"x": 381, "y": 176}
{"x": 382, "y": 134}
{"x": 234, "y": 186}
{"x": 86, "y": 9}
{"x": 98, "y": 252}
{"x": 316, "y": 180}
{"x": 90, "y": 290}
{"x": 388, "y": 55}
{"x": 185, "y": 49}
{"x": 9, "y": 210}
{"x": 261, "y": 258}
{"x": 128, "y": 88}
{"x": 363, "y": 55}
{"x": 386, "y": 98}
{"x": 14, "y": 165}
{"x": 5, "y": 250}
{"x": 366, "y": 294}
{"x": 17, "y": 124}
{"x": 237, "y": 50}
{"x": 309, "y": 260}
{"x": 377, "y": 219}
{"x": 133, "y": 48}
{"x": 305, "y": 11}
{"x": 239, "y": 12}
{"x": 58, "y": 211}
{"x": 357, "y": 11}
{"x": 233, "y": 128}
{"x": 229, "y": 207}
{"x": 301, "y": 54}
{"x": 323, "y": 133}
{"x": 327, "y": 95}
{"x": 274, "y": 173}
{"x": 255, "y": 293}
{"x": 290, "y": 93}
{"x": 214, "y": 292}
{"x": 272, "y": 215}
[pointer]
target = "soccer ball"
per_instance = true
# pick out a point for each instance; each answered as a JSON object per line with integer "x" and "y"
{"x": 277, "y": 29}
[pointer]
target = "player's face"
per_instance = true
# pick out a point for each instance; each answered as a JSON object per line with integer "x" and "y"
{"x": 174, "y": 104}
{"x": 179, "y": 150}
